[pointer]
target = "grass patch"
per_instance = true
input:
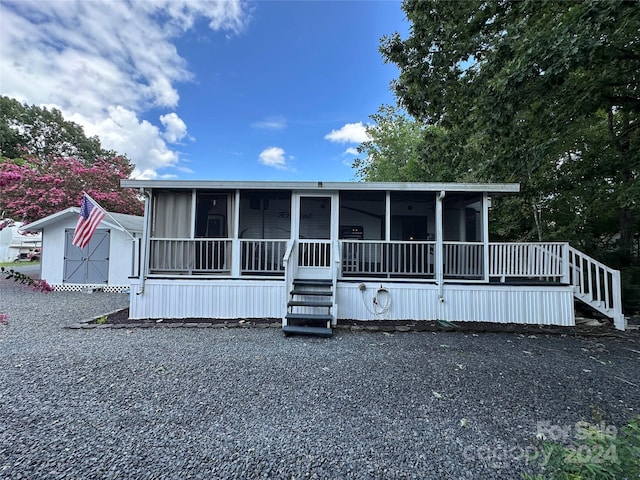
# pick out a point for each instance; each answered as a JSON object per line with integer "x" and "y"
{"x": 600, "y": 453}
{"x": 17, "y": 264}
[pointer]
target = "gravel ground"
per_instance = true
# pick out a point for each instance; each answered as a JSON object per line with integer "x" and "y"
{"x": 250, "y": 403}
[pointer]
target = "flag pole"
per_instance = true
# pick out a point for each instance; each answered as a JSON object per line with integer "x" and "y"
{"x": 108, "y": 214}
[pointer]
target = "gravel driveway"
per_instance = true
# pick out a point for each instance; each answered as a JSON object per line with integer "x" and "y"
{"x": 250, "y": 403}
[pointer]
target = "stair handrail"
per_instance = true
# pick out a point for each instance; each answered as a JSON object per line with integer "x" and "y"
{"x": 288, "y": 276}
{"x": 288, "y": 251}
{"x": 584, "y": 283}
{"x": 337, "y": 267}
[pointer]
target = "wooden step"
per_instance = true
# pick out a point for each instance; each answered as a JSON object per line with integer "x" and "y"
{"x": 309, "y": 303}
{"x": 305, "y": 330}
{"x": 320, "y": 293}
{"x": 321, "y": 282}
{"x": 308, "y": 319}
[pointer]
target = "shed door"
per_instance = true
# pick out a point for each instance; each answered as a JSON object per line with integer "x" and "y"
{"x": 89, "y": 265}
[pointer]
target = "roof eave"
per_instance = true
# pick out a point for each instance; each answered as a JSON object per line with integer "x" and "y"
{"x": 329, "y": 186}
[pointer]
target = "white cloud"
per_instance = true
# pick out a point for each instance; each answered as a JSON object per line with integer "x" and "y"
{"x": 351, "y": 151}
{"x": 349, "y": 133}
{"x": 124, "y": 132}
{"x": 348, "y": 162}
{"x": 273, "y": 157}
{"x": 175, "y": 128}
{"x": 99, "y": 59}
{"x": 271, "y": 123}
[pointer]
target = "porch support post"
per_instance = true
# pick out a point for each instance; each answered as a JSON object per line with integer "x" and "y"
{"x": 439, "y": 273}
{"x": 387, "y": 216}
{"x": 295, "y": 215}
{"x": 565, "y": 264}
{"x": 146, "y": 240}
{"x": 486, "y": 203}
{"x": 192, "y": 232}
{"x": 235, "y": 242}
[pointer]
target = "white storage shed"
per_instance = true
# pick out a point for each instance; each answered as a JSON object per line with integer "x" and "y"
{"x": 105, "y": 263}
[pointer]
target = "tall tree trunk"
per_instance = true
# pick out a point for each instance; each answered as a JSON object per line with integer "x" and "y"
{"x": 537, "y": 216}
{"x": 622, "y": 142}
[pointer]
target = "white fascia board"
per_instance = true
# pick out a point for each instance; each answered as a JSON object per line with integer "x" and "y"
{"x": 328, "y": 186}
{"x": 69, "y": 212}
{"x": 53, "y": 218}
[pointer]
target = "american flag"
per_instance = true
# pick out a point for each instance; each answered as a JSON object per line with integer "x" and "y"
{"x": 91, "y": 214}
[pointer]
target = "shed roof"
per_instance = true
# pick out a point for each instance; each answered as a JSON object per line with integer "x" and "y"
{"x": 118, "y": 221}
{"x": 329, "y": 186}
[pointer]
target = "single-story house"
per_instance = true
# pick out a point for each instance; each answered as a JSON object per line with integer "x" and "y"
{"x": 16, "y": 243}
{"x": 106, "y": 262}
{"x": 316, "y": 253}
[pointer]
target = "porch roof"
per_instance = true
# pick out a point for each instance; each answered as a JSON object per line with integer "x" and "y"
{"x": 328, "y": 186}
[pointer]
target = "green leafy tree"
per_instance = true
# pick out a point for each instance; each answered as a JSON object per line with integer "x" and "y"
{"x": 541, "y": 93}
{"x": 46, "y": 162}
{"x": 402, "y": 149}
{"x": 43, "y": 133}
{"x": 528, "y": 81}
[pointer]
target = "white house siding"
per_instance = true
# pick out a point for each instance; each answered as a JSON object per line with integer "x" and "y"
{"x": 227, "y": 299}
{"x": 51, "y": 263}
{"x": 471, "y": 303}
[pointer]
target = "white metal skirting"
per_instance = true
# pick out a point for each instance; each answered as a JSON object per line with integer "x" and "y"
{"x": 396, "y": 301}
{"x": 208, "y": 299}
{"x": 501, "y": 304}
{"x": 470, "y": 303}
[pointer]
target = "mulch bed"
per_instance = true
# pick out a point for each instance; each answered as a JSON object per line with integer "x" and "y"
{"x": 121, "y": 317}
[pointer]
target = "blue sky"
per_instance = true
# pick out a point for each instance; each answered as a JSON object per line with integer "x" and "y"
{"x": 205, "y": 89}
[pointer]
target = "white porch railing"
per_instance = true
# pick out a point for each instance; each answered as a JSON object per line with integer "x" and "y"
{"x": 463, "y": 260}
{"x": 262, "y": 257}
{"x": 189, "y": 256}
{"x": 314, "y": 253}
{"x": 387, "y": 259}
{"x": 544, "y": 261}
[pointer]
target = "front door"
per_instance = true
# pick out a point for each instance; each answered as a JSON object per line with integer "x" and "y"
{"x": 315, "y": 227}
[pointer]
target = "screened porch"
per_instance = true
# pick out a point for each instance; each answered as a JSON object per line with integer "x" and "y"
{"x": 363, "y": 234}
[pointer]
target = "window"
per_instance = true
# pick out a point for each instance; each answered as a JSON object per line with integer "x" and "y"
{"x": 413, "y": 216}
{"x": 362, "y": 215}
{"x": 212, "y": 215}
{"x": 265, "y": 214}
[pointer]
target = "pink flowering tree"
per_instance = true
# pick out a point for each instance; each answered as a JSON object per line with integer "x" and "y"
{"x": 34, "y": 188}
